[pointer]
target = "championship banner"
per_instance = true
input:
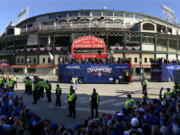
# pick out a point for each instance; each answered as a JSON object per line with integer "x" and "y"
{"x": 28, "y": 49}
{"x": 58, "y": 48}
{"x": 34, "y": 49}
{"x": 113, "y": 47}
{"x": 49, "y": 48}
{"x": 42, "y": 49}
{"x": 129, "y": 47}
{"x": 120, "y": 47}
{"x": 22, "y": 50}
{"x": 136, "y": 47}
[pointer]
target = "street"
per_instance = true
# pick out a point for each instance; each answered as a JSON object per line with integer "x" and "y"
{"x": 112, "y": 98}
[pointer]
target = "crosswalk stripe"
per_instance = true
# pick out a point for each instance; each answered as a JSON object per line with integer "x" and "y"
{"x": 84, "y": 109}
{"x": 107, "y": 101}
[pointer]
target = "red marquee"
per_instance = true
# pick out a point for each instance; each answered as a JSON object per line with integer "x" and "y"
{"x": 88, "y": 47}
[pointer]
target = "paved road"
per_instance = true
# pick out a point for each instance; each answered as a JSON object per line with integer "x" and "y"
{"x": 112, "y": 97}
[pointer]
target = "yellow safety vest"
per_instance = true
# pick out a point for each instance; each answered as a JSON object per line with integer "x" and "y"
{"x": 129, "y": 103}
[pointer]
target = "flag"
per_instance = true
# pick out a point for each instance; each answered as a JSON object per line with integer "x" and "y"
{"x": 51, "y": 56}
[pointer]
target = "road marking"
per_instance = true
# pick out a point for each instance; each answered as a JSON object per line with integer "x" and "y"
{"x": 118, "y": 104}
{"x": 107, "y": 101}
{"x": 84, "y": 109}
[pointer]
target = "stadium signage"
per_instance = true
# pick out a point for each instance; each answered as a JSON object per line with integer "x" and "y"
{"x": 97, "y": 69}
{"x": 93, "y": 47}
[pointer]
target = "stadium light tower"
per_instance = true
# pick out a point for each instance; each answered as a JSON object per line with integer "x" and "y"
{"x": 168, "y": 14}
{"x": 24, "y": 14}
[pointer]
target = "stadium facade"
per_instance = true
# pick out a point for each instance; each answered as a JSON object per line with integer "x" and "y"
{"x": 38, "y": 43}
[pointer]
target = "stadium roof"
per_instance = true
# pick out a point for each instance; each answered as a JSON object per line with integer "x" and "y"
{"x": 91, "y": 10}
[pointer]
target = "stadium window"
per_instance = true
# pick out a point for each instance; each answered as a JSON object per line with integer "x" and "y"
{"x": 49, "y": 60}
{"x": 62, "y": 15}
{"x": 18, "y": 60}
{"x": 22, "y": 60}
{"x": 148, "y": 26}
{"x": 145, "y": 60}
{"x": 150, "y": 60}
{"x": 73, "y": 14}
{"x": 96, "y": 13}
{"x": 53, "y": 16}
{"x": 29, "y": 61}
{"x": 44, "y": 60}
{"x": 107, "y": 13}
{"x": 135, "y": 60}
{"x": 127, "y": 15}
{"x": 138, "y": 17}
{"x": 34, "y": 60}
{"x": 119, "y": 14}
{"x": 84, "y": 13}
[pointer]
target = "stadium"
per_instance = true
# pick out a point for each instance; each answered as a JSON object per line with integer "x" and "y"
{"x": 37, "y": 44}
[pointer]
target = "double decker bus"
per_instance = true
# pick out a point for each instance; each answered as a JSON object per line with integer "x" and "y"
{"x": 163, "y": 72}
{"x": 88, "y": 47}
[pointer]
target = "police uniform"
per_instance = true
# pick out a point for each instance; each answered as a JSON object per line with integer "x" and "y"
{"x": 29, "y": 86}
{"x": 129, "y": 103}
{"x": 74, "y": 82}
{"x": 72, "y": 97}
{"x": 58, "y": 96}
{"x": 144, "y": 86}
{"x": 168, "y": 94}
{"x": 48, "y": 90}
{"x": 41, "y": 87}
{"x": 35, "y": 92}
{"x": 126, "y": 76}
{"x": 94, "y": 99}
{"x": 10, "y": 85}
{"x": 1, "y": 83}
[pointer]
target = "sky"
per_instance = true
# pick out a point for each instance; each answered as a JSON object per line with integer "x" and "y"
{"x": 9, "y": 9}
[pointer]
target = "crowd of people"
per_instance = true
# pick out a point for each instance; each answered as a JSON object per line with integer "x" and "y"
{"x": 165, "y": 61}
{"x": 143, "y": 117}
{"x": 110, "y": 60}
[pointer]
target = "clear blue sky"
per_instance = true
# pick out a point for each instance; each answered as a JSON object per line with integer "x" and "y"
{"x": 9, "y": 9}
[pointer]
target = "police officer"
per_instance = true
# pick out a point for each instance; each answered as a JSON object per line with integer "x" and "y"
{"x": 94, "y": 100}
{"x": 58, "y": 95}
{"x": 74, "y": 82}
{"x": 144, "y": 84}
{"x": 145, "y": 98}
{"x": 168, "y": 94}
{"x": 25, "y": 82}
{"x": 35, "y": 92}
{"x": 126, "y": 76}
{"x": 42, "y": 85}
{"x": 48, "y": 90}
{"x": 129, "y": 103}
{"x": 72, "y": 97}
{"x": 29, "y": 86}
{"x": 1, "y": 83}
{"x": 10, "y": 85}
{"x": 15, "y": 81}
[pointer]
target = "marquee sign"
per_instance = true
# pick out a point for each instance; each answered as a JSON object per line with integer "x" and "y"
{"x": 86, "y": 43}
